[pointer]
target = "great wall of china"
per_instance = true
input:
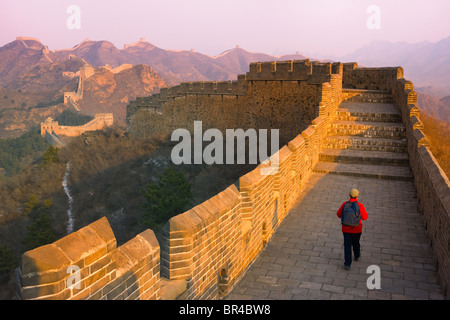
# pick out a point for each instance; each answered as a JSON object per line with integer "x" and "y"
{"x": 71, "y": 98}
{"x": 206, "y": 251}
{"x": 100, "y": 121}
{"x": 52, "y": 130}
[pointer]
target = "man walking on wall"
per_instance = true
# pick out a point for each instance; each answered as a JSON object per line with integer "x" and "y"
{"x": 351, "y": 213}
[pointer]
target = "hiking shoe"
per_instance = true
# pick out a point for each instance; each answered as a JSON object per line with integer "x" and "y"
{"x": 346, "y": 267}
{"x": 357, "y": 258}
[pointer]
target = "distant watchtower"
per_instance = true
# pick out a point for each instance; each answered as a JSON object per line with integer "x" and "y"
{"x": 50, "y": 126}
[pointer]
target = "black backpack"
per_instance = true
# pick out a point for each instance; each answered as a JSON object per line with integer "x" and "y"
{"x": 351, "y": 215}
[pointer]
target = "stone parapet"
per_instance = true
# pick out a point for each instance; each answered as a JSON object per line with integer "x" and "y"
{"x": 87, "y": 264}
{"x": 100, "y": 121}
{"x": 370, "y": 78}
{"x": 204, "y": 251}
{"x": 432, "y": 184}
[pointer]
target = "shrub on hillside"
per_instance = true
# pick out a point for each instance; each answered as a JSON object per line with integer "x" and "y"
{"x": 170, "y": 196}
{"x": 438, "y": 133}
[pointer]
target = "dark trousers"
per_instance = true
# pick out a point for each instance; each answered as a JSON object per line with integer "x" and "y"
{"x": 351, "y": 240}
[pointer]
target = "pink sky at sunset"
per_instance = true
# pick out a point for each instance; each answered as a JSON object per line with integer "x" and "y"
{"x": 326, "y": 27}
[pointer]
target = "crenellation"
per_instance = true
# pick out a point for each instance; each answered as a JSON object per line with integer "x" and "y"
{"x": 280, "y": 70}
{"x": 337, "y": 68}
{"x": 434, "y": 201}
{"x": 384, "y": 79}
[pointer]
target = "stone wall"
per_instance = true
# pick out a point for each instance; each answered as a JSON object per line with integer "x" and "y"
{"x": 100, "y": 121}
{"x": 370, "y": 78}
{"x": 205, "y": 251}
{"x": 87, "y": 265}
{"x": 282, "y": 95}
{"x": 84, "y": 73}
{"x": 432, "y": 184}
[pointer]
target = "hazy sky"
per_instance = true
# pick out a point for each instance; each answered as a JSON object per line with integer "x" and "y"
{"x": 328, "y": 27}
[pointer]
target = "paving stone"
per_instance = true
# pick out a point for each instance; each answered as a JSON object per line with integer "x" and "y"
{"x": 367, "y": 170}
{"x": 341, "y": 296}
{"x": 311, "y": 275}
{"x": 310, "y": 285}
{"x": 304, "y": 259}
{"x": 333, "y": 288}
{"x": 418, "y": 293}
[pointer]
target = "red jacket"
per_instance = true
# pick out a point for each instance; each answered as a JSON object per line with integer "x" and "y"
{"x": 364, "y": 216}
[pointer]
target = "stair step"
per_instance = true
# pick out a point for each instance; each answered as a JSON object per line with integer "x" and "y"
{"x": 365, "y": 170}
{"x": 360, "y": 112}
{"x": 368, "y": 129}
{"x": 347, "y": 116}
{"x": 365, "y": 143}
{"x": 367, "y": 96}
{"x": 358, "y": 156}
{"x": 370, "y": 99}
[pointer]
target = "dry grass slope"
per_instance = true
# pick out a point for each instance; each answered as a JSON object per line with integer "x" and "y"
{"x": 439, "y": 134}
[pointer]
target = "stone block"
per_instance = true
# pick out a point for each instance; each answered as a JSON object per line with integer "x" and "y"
{"x": 44, "y": 259}
{"x": 296, "y": 143}
{"x": 38, "y": 293}
{"x": 420, "y": 137}
{"x": 184, "y": 225}
{"x": 208, "y": 211}
{"x": 249, "y": 180}
{"x": 284, "y": 155}
{"x": 123, "y": 262}
{"x": 136, "y": 250}
{"x": 104, "y": 231}
{"x": 45, "y": 291}
{"x": 172, "y": 289}
{"x": 308, "y": 133}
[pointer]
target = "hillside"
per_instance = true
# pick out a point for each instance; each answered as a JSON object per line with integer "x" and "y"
{"x": 48, "y": 78}
{"x": 21, "y": 110}
{"x": 434, "y": 107}
{"x": 426, "y": 64}
{"x": 20, "y": 55}
{"x": 173, "y": 66}
{"x": 32, "y": 81}
{"x": 108, "y": 172}
{"x": 35, "y": 92}
{"x": 32, "y": 89}
{"x": 446, "y": 101}
{"x": 438, "y": 132}
{"x": 110, "y": 92}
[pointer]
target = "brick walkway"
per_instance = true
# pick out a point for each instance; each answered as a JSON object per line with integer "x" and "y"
{"x": 304, "y": 259}
{"x": 365, "y": 149}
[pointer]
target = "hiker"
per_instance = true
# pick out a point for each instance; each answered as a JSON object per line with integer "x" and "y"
{"x": 351, "y": 213}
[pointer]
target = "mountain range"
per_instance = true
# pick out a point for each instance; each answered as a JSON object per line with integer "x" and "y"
{"x": 426, "y": 64}
{"x": 28, "y": 66}
{"x": 172, "y": 65}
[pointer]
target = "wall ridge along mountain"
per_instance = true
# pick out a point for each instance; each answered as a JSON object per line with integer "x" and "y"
{"x": 205, "y": 250}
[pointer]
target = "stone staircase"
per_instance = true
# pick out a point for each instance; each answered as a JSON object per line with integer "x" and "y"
{"x": 74, "y": 104}
{"x": 367, "y": 139}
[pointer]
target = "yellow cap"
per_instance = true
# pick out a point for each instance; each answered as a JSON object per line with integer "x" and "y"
{"x": 354, "y": 193}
